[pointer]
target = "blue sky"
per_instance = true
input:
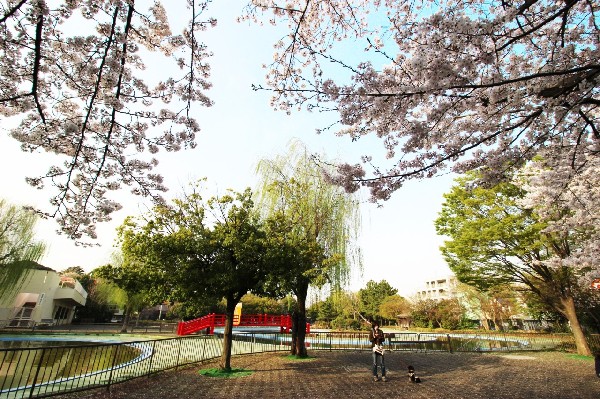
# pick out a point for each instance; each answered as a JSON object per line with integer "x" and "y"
{"x": 398, "y": 240}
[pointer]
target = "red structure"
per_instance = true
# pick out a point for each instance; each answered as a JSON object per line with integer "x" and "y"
{"x": 210, "y": 321}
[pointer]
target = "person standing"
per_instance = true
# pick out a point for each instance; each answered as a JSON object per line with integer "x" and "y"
{"x": 377, "y": 339}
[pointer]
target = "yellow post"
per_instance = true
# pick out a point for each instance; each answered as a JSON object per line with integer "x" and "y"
{"x": 237, "y": 314}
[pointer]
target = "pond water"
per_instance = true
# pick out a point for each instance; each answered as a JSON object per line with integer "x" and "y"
{"x": 22, "y": 344}
{"x": 61, "y": 357}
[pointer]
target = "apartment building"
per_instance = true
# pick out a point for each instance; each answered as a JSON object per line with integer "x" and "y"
{"x": 438, "y": 288}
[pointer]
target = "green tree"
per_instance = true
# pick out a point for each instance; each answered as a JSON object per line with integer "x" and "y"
{"x": 493, "y": 306}
{"x": 103, "y": 297}
{"x": 203, "y": 250}
{"x": 256, "y": 304}
{"x": 134, "y": 281}
{"x": 372, "y": 296}
{"x": 18, "y": 246}
{"x": 495, "y": 242}
{"x": 316, "y": 221}
{"x": 327, "y": 311}
{"x": 97, "y": 305}
{"x": 449, "y": 314}
{"x": 392, "y": 306}
{"x": 423, "y": 313}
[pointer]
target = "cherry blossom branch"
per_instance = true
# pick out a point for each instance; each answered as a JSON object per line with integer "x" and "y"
{"x": 74, "y": 162}
{"x": 12, "y": 11}
{"x": 568, "y": 5}
{"x": 36, "y": 65}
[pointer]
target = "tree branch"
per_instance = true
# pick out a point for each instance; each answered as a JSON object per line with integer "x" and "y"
{"x": 12, "y": 11}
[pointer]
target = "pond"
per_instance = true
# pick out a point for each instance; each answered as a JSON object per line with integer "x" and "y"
{"x": 23, "y": 361}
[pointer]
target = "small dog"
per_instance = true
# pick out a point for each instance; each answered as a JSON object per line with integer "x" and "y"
{"x": 411, "y": 375}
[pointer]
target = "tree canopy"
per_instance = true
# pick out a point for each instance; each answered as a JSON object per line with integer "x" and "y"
{"x": 203, "y": 249}
{"x": 495, "y": 242}
{"x": 448, "y": 84}
{"x": 316, "y": 225}
{"x": 567, "y": 199}
{"x": 133, "y": 279}
{"x": 372, "y": 297}
{"x": 84, "y": 95}
{"x": 443, "y": 84}
{"x": 18, "y": 245}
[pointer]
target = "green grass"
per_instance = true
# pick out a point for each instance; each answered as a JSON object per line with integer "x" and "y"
{"x": 294, "y": 357}
{"x": 219, "y": 373}
{"x": 581, "y": 357}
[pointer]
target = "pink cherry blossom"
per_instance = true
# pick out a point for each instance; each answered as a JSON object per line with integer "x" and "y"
{"x": 446, "y": 85}
{"x": 81, "y": 94}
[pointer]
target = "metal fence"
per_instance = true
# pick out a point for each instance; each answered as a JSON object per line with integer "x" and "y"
{"x": 142, "y": 327}
{"x": 451, "y": 342}
{"x": 47, "y": 371}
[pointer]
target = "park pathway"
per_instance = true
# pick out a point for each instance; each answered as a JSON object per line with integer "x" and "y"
{"x": 345, "y": 374}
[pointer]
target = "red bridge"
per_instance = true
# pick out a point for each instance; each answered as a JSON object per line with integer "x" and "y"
{"x": 210, "y": 321}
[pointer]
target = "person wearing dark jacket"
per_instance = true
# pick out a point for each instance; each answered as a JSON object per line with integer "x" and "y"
{"x": 377, "y": 339}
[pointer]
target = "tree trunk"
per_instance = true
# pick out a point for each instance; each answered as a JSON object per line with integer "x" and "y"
{"x": 126, "y": 317}
{"x": 299, "y": 324}
{"x": 568, "y": 309}
{"x": 485, "y": 323}
{"x": 225, "y": 363}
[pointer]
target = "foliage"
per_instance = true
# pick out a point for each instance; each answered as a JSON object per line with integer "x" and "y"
{"x": 18, "y": 246}
{"x": 101, "y": 297}
{"x": 292, "y": 190}
{"x": 493, "y": 241}
{"x": 100, "y": 306}
{"x": 393, "y": 306}
{"x": 497, "y": 304}
{"x": 447, "y": 83}
{"x": 340, "y": 311}
{"x": 372, "y": 296}
{"x": 134, "y": 283}
{"x": 314, "y": 227}
{"x": 203, "y": 250}
{"x": 566, "y": 199}
{"x": 449, "y": 314}
{"x": 255, "y": 304}
{"x": 73, "y": 71}
{"x": 423, "y": 314}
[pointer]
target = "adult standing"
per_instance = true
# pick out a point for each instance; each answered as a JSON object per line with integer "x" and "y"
{"x": 377, "y": 339}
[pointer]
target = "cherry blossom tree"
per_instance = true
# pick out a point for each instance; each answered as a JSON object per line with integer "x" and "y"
{"x": 444, "y": 84}
{"x": 566, "y": 199}
{"x": 72, "y": 74}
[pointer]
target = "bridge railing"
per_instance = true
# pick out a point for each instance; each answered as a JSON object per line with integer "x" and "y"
{"x": 210, "y": 321}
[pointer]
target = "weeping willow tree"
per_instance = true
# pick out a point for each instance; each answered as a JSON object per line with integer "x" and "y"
{"x": 317, "y": 225}
{"x": 18, "y": 247}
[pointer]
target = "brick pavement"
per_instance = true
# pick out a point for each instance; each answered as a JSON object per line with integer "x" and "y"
{"x": 346, "y": 374}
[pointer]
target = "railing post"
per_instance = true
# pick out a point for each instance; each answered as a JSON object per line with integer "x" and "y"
{"x": 449, "y": 343}
{"x": 178, "y": 354}
{"x": 37, "y": 372}
{"x": 151, "y": 357}
{"x": 112, "y": 368}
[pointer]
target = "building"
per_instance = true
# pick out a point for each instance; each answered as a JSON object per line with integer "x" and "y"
{"x": 438, "y": 289}
{"x": 44, "y": 298}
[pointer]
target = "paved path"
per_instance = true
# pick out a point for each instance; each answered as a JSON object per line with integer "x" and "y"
{"x": 340, "y": 375}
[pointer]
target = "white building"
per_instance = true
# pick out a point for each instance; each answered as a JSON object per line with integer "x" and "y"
{"x": 44, "y": 297}
{"x": 438, "y": 289}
